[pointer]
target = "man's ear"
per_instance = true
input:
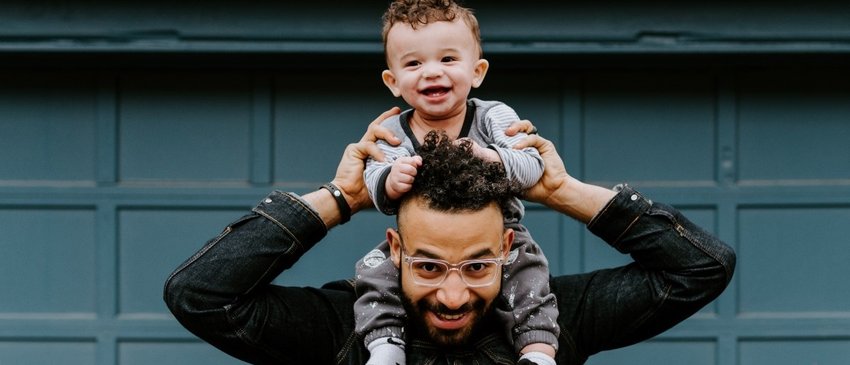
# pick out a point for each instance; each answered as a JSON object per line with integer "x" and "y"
{"x": 394, "y": 240}
{"x": 478, "y": 73}
{"x": 507, "y": 242}
{"x": 391, "y": 82}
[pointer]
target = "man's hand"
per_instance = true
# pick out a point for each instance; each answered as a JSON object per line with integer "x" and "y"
{"x": 554, "y": 173}
{"x": 524, "y": 126}
{"x": 487, "y": 154}
{"x": 376, "y": 131}
{"x": 481, "y": 152}
{"x": 560, "y": 191}
{"x": 402, "y": 174}
{"x": 349, "y": 173}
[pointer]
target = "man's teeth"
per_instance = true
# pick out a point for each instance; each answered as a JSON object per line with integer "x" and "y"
{"x": 451, "y": 317}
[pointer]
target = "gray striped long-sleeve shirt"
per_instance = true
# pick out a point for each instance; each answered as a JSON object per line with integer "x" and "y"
{"x": 485, "y": 123}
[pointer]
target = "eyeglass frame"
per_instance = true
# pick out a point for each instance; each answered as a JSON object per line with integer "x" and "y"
{"x": 499, "y": 261}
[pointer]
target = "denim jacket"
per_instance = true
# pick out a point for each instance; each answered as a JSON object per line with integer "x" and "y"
{"x": 223, "y": 293}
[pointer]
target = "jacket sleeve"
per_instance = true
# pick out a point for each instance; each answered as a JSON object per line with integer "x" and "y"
{"x": 223, "y": 293}
{"x": 678, "y": 268}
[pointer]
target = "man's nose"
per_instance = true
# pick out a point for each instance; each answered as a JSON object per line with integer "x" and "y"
{"x": 453, "y": 293}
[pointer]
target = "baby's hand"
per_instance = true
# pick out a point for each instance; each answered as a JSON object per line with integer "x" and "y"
{"x": 401, "y": 176}
{"x": 483, "y": 153}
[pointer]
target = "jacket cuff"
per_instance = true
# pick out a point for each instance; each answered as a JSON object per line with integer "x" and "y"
{"x": 303, "y": 223}
{"x": 619, "y": 215}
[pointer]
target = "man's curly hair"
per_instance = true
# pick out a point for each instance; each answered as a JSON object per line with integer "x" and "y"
{"x": 422, "y": 12}
{"x": 452, "y": 179}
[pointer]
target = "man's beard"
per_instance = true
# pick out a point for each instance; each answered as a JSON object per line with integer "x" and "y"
{"x": 456, "y": 337}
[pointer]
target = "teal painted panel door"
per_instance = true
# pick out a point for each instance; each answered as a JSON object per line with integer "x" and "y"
{"x": 110, "y": 179}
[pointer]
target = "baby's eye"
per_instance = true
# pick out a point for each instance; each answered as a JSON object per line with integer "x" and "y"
{"x": 449, "y": 59}
{"x": 411, "y": 64}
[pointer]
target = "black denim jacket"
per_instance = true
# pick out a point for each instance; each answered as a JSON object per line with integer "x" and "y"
{"x": 223, "y": 293}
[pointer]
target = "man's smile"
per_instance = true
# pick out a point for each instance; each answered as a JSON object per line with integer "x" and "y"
{"x": 445, "y": 321}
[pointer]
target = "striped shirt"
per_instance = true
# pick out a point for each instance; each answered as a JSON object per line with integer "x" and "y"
{"x": 485, "y": 123}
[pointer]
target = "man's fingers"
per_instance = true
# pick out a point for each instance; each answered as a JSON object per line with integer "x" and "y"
{"x": 370, "y": 149}
{"x": 392, "y": 111}
{"x": 381, "y": 132}
{"x": 376, "y": 131}
{"x": 524, "y": 126}
{"x": 363, "y": 150}
{"x": 531, "y": 140}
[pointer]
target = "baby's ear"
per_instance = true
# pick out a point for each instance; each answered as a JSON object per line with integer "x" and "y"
{"x": 478, "y": 73}
{"x": 391, "y": 82}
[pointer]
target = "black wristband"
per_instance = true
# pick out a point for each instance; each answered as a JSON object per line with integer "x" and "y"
{"x": 344, "y": 209}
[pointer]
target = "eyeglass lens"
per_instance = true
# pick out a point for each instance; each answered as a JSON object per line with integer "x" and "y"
{"x": 473, "y": 273}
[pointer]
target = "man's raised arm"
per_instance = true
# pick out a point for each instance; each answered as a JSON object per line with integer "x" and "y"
{"x": 223, "y": 293}
{"x": 678, "y": 267}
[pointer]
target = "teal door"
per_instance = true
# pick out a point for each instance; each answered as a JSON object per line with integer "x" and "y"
{"x": 121, "y": 153}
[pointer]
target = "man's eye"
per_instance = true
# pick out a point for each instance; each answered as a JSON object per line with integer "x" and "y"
{"x": 476, "y": 267}
{"x": 428, "y": 267}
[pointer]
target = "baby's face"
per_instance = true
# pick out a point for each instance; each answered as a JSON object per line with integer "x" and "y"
{"x": 433, "y": 67}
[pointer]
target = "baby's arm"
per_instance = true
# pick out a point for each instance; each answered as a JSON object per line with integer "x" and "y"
{"x": 523, "y": 166}
{"x": 377, "y": 176}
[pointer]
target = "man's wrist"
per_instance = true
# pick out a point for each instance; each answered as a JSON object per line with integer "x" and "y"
{"x": 579, "y": 200}
{"x": 299, "y": 216}
{"x": 341, "y": 202}
{"x": 619, "y": 214}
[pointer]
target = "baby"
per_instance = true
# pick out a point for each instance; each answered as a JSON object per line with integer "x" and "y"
{"x": 433, "y": 52}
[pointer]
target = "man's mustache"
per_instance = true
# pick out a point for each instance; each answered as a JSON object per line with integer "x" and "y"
{"x": 442, "y": 309}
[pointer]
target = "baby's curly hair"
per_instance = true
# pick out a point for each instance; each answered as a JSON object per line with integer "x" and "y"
{"x": 423, "y": 12}
{"x": 452, "y": 179}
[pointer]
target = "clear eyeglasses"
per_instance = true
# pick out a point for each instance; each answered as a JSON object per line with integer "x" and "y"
{"x": 433, "y": 272}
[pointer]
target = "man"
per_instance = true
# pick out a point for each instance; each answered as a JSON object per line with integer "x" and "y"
{"x": 223, "y": 293}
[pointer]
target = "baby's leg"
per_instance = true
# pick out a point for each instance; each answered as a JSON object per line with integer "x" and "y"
{"x": 530, "y": 305}
{"x": 379, "y": 314}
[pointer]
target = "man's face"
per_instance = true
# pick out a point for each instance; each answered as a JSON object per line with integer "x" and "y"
{"x": 450, "y": 311}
